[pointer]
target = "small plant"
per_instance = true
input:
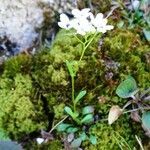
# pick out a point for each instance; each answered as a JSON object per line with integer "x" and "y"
{"x": 86, "y": 28}
{"x": 80, "y": 117}
{"x": 138, "y": 102}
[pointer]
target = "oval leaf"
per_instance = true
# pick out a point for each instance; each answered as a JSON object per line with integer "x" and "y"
{"x": 70, "y": 68}
{"x": 88, "y": 119}
{"x": 69, "y": 111}
{"x": 76, "y": 143}
{"x": 72, "y": 130}
{"x": 146, "y": 120}
{"x": 127, "y": 88}
{"x": 83, "y": 136}
{"x": 87, "y": 110}
{"x": 79, "y": 96}
{"x": 62, "y": 127}
{"x": 93, "y": 139}
{"x": 3, "y": 136}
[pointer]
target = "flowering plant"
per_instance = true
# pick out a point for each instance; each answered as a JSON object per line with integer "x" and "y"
{"x": 86, "y": 25}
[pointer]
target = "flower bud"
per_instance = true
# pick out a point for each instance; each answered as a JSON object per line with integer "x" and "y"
{"x": 114, "y": 114}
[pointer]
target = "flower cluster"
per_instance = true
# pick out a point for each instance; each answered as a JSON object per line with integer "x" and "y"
{"x": 85, "y": 22}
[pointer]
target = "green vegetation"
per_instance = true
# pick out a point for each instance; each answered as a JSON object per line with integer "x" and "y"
{"x": 25, "y": 80}
{"x": 20, "y": 113}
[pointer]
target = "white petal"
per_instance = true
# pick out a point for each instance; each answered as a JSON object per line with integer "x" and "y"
{"x": 102, "y": 30}
{"x": 81, "y": 32}
{"x": 64, "y": 21}
{"x": 76, "y": 12}
{"x": 85, "y": 10}
{"x": 74, "y": 23}
{"x": 40, "y": 140}
{"x": 109, "y": 27}
{"x": 99, "y": 16}
{"x": 104, "y": 21}
{"x": 91, "y": 16}
{"x": 84, "y": 13}
{"x": 62, "y": 25}
{"x": 64, "y": 18}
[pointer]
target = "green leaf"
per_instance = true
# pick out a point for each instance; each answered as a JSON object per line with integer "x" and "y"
{"x": 69, "y": 111}
{"x": 62, "y": 127}
{"x": 120, "y": 24}
{"x": 72, "y": 130}
{"x": 93, "y": 139}
{"x": 76, "y": 143}
{"x": 146, "y": 120}
{"x": 138, "y": 14}
{"x": 87, "y": 110}
{"x": 79, "y": 96}
{"x": 127, "y": 88}
{"x": 146, "y": 34}
{"x": 88, "y": 119}
{"x": 70, "y": 68}
{"x": 3, "y": 136}
{"x": 83, "y": 136}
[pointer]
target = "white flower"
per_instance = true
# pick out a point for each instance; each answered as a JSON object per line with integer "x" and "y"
{"x": 84, "y": 22}
{"x": 82, "y": 26}
{"x": 98, "y": 20}
{"x": 40, "y": 140}
{"x": 64, "y": 22}
{"x": 100, "y": 23}
{"x": 79, "y": 14}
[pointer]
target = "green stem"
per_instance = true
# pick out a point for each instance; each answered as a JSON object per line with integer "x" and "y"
{"x": 55, "y": 126}
{"x": 72, "y": 82}
{"x": 78, "y": 39}
{"x": 85, "y": 46}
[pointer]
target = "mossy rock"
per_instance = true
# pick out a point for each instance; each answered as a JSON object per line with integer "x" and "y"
{"x": 45, "y": 75}
{"x": 20, "y": 113}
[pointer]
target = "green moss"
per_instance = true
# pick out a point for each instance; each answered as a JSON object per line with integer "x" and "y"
{"x": 18, "y": 113}
{"x": 50, "y": 145}
{"x": 102, "y": 6}
{"x": 119, "y": 135}
{"x": 54, "y": 145}
{"x": 14, "y": 65}
{"x": 97, "y": 5}
{"x": 59, "y": 110}
{"x": 102, "y": 69}
{"x": 126, "y": 48}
